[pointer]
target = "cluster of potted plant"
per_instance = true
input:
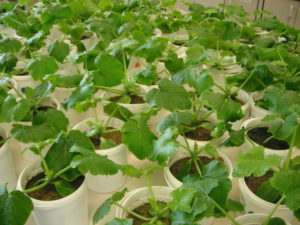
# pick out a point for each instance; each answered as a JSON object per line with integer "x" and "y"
{"x": 85, "y": 83}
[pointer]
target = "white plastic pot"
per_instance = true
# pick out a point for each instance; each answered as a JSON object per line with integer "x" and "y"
{"x": 7, "y": 168}
{"x": 71, "y": 210}
{"x": 257, "y": 111}
{"x": 254, "y": 204}
{"x": 212, "y": 118}
{"x": 244, "y": 97}
{"x": 173, "y": 182}
{"x": 118, "y": 154}
{"x": 89, "y": 42}
{"x": 253, "y": 219}
{"x": 254, "y": 122}
{"x": 25, "y": 81}
{"x": 140, "y": 196}
{"x": 137, "y": 108}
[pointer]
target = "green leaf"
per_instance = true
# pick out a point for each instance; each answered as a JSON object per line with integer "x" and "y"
{"x": 234, "y": 206}
{"x": 267, "y": 192}
{"x": 10, "y": 45}
{"x": 64, "y": 188}
{"x": 59, "y": 155}
{"x": 203, "y": 186}
{"x": 175, "y": 119}
{"x": 119, "y": 221}
{"x": 138, "y": 137}
{"x": 200, "y": 82}
{"x": 196, "y": 54}
{"x": 182, "y": 218}
{"x": 91, "y": 162}
{"x": 28, "y": 134}
{"x": 115, "y": 110}
{"x": 55, "y": 11}
{"x": 102, "y": 211}
{"x": 276, "y": 221}
{"x": 132, "y": 171}
{"x": 11, "y": 110}
{"x": 54, "y": 118}
{"x": 12, "y": 204}
{"x": 117, "y": 196}
{"x": 59, "y": 50}
{"x": 182, "y": 199}
{"x": 65, "y": 81}
{"x": 107, "y": 143}
{"x": 254, "y": 162}
{"x": 169, "y": 96}
{"x": 152, "y": 49}
{"x": 211, "y": 150}
{"x": 286, "y": 181}
{"x": 236, "y": 138}
{"x": 82, "y": 93}
{"x": 109, "y": 71}
{"x": 7, "y": 62}
{"x": 41, "y": 67}
{"x": 297, "y": 214}
{"x": 227, "y": 109}
{"x": 147, "y": 76}
{"x": 165, "y": 145}
{"x": 25, "y": 2}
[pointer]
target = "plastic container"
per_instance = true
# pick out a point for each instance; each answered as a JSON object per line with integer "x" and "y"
{"x": 118, "y": 154}
{"x": 7, "y": 168}
{"x": 254, "y": 204}
{"x": 253, "y": 219}
{"x": 257, "y": 111}
{"x": 254, "y": 122}
{"x": 71, "y": 210}
{"x": 173, "y": 182}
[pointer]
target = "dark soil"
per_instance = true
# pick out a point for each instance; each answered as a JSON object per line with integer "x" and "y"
{"x": 1, "y": 139}
{"x": 86, "y": 36}
{"x": 49, "y": 192}
{"x": 115, "y": 136}
{"x": 177, "y": 167}
{"x": 200, "y": 134}
{"x": 22, "y": 74}
{"x": 255, "y": 182}
{"x": 44, "y": 108}
{"x": 260, "y": 134}
{"x": 135, "y": 99}
{"x": 143, "y": 210}
{"x": 238, "y": 100}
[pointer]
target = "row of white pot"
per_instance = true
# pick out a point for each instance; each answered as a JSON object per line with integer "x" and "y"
{"x": 42, "y": 209}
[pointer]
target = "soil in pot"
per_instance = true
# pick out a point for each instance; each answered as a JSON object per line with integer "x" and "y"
{"x": 260, "y": 134}
{"x": 1, "y": 140}
{"x": 199, "y": 134}
{"x": 144, "y": 210}
{"x": 116, "y": 137}
{"x": 134, "y": 99}
{"x": 49, "y": 193}
{"x": 254, "y": 183}
{"x": 22, "y": 74}
{"x": 179, "y": 166}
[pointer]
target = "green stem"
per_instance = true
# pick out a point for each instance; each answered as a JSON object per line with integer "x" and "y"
{"x": 151, "y": 192}
{"x": 244, "y": 83}
{"x": 62, "y": 171}
{"x": 94, "y": 110}
{"x": 43, "y": 97}
{"x": 17, "y": 91}
{"x": 220, "y": 87}
{"x": 288, "y": 161}
{"x": 186, "y": 148}
{"x": 110, "y": 131}
{"x": 274, "y": 210}
{"x": 44, "y": 162}
{"x": 197, "y": 166}
{"x": 224, "y": 212}
{"x": 44, "y": 184}
{"x": 131, "y": 212}
{"x": 124, "y": 64}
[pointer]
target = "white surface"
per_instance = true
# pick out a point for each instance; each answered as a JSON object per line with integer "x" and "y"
{"x": 95, "y": 200}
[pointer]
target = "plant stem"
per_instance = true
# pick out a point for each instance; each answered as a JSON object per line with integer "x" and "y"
{"x": 62, "y": 171}
{"x": 274, "y": 210}
{"x": 131, "y": 212}
{"x": 197, "y": 166}
{"x": 224, "y": 212}
{"x": 288, "y": 161}
{"x": 44, "y": 184}
{"x": 44, "y": 162}
{"x": 4, "y": 140}
{"x": 110, "y": 131}
{"x": 244, "y": 83}
{"x": 151, "y": 192}
{"x": 17, "y": 91}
